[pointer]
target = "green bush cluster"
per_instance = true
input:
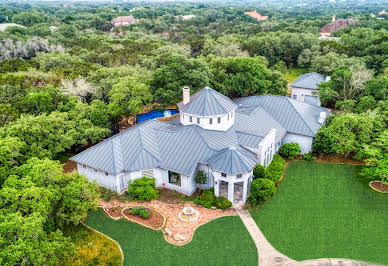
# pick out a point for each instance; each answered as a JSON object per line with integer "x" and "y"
{"x": 143, "y": 189}
{"x": 290, "y": 150}
{"x": 207, "y": 199}
{"x": 275, "y": 169}
{"x": 107, "y": 194}
{"x": 308, "y": 157}
{"x": 259, "y": 171}
{"x": 261, "y": 190}
{"x": 222, "y": 203}
{"x": 141, "y": 211}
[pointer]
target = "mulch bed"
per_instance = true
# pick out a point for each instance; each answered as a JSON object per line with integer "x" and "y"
{"x": 114, "y": 212}
{"x": 329, "y": 158}
{"x": 155, "y": 221}
{"x": 376, "y": 186}
{"x": 69, "y": 167}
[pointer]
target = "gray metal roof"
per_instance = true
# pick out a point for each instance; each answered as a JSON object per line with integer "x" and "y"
{"x": 233, "y": 161}
{"x": 308, "y": 81}
{"x": 207, "y": 102}
{"x": 180, "y": 148}
{"x": 294, "y": 116}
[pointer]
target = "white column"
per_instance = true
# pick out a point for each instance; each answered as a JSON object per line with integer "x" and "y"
{"x": 216, "y": 187}
{"x": 245, "y": 190}
{"x": 230, "y": 191}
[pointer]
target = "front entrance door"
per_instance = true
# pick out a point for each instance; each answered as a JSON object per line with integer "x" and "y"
{"x": 238, "y": 192}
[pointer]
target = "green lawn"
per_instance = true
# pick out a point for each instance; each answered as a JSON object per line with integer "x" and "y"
{"x": 326, "y": 210}
{"x": 224, "y": 241}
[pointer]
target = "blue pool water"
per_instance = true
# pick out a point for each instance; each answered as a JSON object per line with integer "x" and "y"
{"x": 156, "y": 113}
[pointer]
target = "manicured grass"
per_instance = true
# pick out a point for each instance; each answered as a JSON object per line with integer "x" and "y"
{"x": 326, "y": 210}
{"x": 224, "y": 241}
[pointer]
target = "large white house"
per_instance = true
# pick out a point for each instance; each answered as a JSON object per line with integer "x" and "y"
{"x": 224, "y": 138}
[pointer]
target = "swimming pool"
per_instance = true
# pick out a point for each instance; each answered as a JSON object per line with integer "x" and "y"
{"x": 155, "y": 114}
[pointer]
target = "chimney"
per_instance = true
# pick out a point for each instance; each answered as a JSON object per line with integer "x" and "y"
{"x": 322, "y": 117}
{"x": 333, "y": 18}
{"x": 186, "y": 95}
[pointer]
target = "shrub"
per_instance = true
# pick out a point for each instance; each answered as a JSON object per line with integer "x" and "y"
{"x": 261, "y": 190}
{"x": 259, "y": 171}
{"x": 222, "y": 203}
{"x": 107, "y": 194}
{"x": 275, "y": 168}
{"x": 290, "y": 150}
{"x": 141, "y": 211}
{"x": 206, "y": 199}
{"x": 143, "y": 189}
{"x": 308, "y": 157}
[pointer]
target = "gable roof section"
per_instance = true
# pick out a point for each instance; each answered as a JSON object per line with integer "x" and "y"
{"x": 295, "y": 117}
{"x": 256, "y": 121}
{"x": 308, "y": 81}
{"x": 233, "y": 161}
{"x": 207, "y": 102}
{"x": 99, "y": 156}
{"x": 183, "y": 149}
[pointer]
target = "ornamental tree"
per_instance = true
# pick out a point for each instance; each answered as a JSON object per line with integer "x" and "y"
{"x": 200, "y": 178}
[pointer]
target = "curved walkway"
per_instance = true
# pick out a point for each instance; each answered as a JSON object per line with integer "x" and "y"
{"x": 269, "y": 256}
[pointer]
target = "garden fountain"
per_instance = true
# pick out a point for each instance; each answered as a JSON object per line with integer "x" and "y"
{"x": 188, "y": 214}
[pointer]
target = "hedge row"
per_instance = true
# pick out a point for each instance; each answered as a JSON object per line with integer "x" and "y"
{"x": 273, "y": 171}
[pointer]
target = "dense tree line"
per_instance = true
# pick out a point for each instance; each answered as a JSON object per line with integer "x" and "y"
{"x": 68, "y": 77}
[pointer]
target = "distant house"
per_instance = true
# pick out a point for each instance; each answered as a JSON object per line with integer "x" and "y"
{"x": 185, "y": 17}
{"x": 123, "y": 21}
{"x": 212, "y": 133}
{"x": 335, "y": 25}
{"x": 3, "y": 26}
{"x": 383, "y": 12}
{"x": 305, "y": 85}
{"x": 256, "y": 15}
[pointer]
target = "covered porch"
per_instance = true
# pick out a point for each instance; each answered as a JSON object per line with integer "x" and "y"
{"x": 236, "y": 190}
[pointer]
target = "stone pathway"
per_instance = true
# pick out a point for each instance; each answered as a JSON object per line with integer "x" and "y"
{"x": 269, "y": 256}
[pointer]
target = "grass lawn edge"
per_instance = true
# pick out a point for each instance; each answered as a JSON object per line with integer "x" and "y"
{"x": 108, "y": 237}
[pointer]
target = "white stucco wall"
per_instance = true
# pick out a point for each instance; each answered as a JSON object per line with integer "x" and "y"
{"x": 305, "y": 142}
{"x": 227, "y": 120}
{"x": 300, "y": 93}
{"x": 106, "y": 181}
{"x": 209, "y": 174}
{"x": 119, "y": 182}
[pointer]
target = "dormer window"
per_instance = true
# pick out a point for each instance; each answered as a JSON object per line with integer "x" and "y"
{"x": 210, "y": 121}
{"x": 198, "y": 120}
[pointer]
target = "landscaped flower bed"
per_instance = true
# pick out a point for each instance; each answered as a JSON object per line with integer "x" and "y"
{"x": 114, "y": 212}
{"x": 155, "y": 221}
{"x": 376, "y": 185}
